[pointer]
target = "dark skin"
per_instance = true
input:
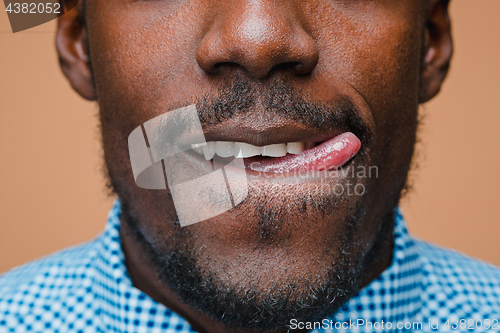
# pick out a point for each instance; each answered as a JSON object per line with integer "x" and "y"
{"x": 387, "y": 57}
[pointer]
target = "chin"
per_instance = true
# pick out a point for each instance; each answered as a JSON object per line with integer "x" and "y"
{"x": 278, "y": 255}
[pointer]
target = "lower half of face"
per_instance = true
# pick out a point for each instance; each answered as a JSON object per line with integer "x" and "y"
{"x": 285, "y": 251}
{"x": 288, "y": 249}
{"x": 291, "y": 246}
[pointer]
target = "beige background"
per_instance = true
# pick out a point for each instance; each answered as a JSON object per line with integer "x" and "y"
{"x": 51, "y": 187}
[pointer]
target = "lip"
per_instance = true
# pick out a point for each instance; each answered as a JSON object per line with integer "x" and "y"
{"x": 268, "y": 170}
{"x": 329, "y": 155}
{"x": 204, "y": 167}
{"x": 262, "y": 131}
{"x": 262, "y": 134}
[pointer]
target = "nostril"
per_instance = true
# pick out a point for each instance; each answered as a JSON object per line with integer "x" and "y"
{"x": 297, "y": 67}
{"x": 302, "y": 69}
{"x": 224, "y": 65}
{"x": 287, "y": 66}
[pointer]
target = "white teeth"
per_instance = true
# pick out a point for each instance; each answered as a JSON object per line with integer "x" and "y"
{"x": 295, "y": 147}
{"x": 245, "y": 150}
{"x": 276, "y": 150}
{"x": 209, "y": 150}
{"x": 224, "y": 148}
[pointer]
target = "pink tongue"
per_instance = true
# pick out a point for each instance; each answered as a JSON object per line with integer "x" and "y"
{"x": 329, "y": 155}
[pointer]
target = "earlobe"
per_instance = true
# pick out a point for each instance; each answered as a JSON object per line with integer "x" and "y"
{"x": 438, "y": 49}
{"x": 73, "y": 57}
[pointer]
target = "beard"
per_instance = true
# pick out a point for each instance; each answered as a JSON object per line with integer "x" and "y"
{"x": 249, "y": 294}
{"x": 252, "y": 304}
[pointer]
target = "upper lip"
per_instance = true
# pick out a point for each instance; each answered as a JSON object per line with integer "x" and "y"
{"x": 262, "y": 133}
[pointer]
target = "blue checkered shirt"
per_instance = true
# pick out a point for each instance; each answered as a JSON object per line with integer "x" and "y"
{"x": 87, "y": 289}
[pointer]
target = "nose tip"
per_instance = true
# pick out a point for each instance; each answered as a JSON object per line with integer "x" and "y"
{"x": 258, "y": 42}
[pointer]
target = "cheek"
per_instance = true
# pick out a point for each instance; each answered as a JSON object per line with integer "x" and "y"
{"x": 379, "y": 54}
{"x": 389, "y": 81}
{"x": 137, "y": 71}
{"x": 140, "y": 47}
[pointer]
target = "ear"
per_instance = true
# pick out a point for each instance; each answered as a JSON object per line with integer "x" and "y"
{"x": 71, "y": 43}
{"x": 438, "y": 49}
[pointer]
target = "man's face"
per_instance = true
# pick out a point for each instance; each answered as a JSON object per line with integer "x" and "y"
{"x": 266, "y": 72}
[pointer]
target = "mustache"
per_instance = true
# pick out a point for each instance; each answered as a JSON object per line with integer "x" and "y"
{"x": 280, "y": 100}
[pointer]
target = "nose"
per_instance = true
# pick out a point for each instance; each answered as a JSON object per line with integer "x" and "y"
{"x": 258, "y": 36}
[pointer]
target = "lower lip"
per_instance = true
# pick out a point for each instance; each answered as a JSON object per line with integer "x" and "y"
{"x": 329, "y": 155}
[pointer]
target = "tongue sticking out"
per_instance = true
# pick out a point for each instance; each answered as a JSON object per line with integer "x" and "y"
{"x": 329, "y": 155}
